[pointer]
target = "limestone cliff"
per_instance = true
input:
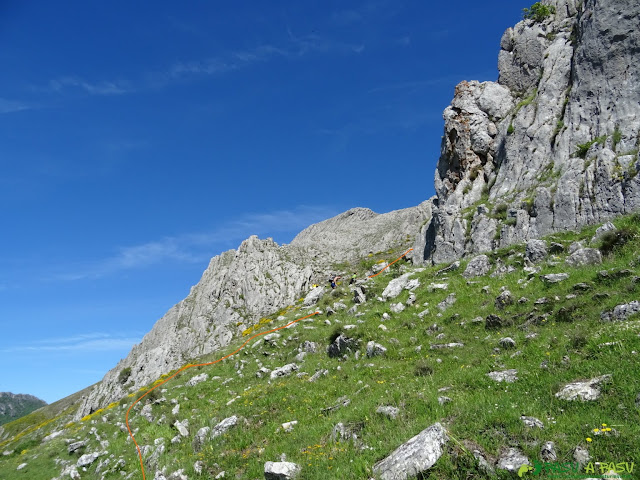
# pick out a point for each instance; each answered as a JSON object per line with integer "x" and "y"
{"x": 553, "y": 144}
{"x": 241, "y": 286}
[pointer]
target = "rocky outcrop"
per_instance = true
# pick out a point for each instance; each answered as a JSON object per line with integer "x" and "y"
{"x": 241, "y": 286}
{"x": 553, "y": 145}
{"x": 359, "y": 231}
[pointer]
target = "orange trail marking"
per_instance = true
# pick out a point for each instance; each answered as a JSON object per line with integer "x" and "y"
{"x": 198, "y": 365}
{"x": 371, "y": 276}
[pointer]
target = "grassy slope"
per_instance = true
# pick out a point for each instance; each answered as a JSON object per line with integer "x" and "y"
{"x": 25, "y": 407}
{"x": 482, "y": 413}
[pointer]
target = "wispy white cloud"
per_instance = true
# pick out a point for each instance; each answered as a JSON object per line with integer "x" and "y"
{"x": 200, "y": 246}
{"x": 97, "y": 88}
{"x": 90, "y": 342}
{"x": 10, "y": 106}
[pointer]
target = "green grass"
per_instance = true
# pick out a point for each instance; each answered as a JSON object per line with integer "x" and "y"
{"x": 482, "y": 412}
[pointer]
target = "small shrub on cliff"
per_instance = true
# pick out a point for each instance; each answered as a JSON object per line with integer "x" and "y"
{"x": 538, "y": 12}
{"x": 124, "y": 375}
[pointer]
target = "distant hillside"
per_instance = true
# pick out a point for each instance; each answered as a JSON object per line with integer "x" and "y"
{"x": 13, "y": 406}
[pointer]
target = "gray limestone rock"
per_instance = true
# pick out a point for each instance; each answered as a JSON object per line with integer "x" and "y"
{"x": 87, "y": 459}
{"x": 588, "y": 390}
{"x": 395, "y": 286}
{"x": 318, "y": 374}
{"x": 504, "y": 299}
{"x": 621, "y": 312}
{"x": 359, "y": 295}
{"x": 76, "y": 446}
{"x": 200, "y": 438}
{"x": 507, "y": 342}
{"x": 341, "y": 346}
{"x": 511, "y": 460}
{"x": 581, "y": 455}
{"x": 478, "y": 266}
{"x": 396, "y": 307}
{"x": 536, "y": 250}
{"x": 531, "y": 422}
{"x": 388, "y": 411}
{"x": 554, "y": 277}
{"x": 415, "y": 456}
{"x": 203, "y": 377}
{"x": 553, "y": 95}
{"x": 146, "y": 413}
{"x": 224, "y": 426}
{"x": 584, "y": 256}
{"x": 182, "y": 427}
{"x": 313, "y": 296}
{"x": 281, "y": 471}
{"x": 602, "y": 230}
{"x": 508, "y": 376}
{"x": 548, "y": 452}
{"x": 375, "y": 349}
{"x": 447, "y": 302}
{"x": 284, "y": 371}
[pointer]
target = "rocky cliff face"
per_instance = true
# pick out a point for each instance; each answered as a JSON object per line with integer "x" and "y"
{"x": 241, "y": 286}
{"x": 553, "y": 144}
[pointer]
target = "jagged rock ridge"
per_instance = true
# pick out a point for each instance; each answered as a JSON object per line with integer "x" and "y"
{"x": 553, "y": 145}
{"x": 241, "y": 286}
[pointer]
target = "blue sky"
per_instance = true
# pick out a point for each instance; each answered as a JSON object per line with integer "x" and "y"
{"x": 139, "y": 139}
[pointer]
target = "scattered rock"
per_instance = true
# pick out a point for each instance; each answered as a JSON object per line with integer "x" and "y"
{"x": 343, "y": 401}
{"x": 182, "y": 427}
{"x": 21, "y": 466}
{"x": 341, "y": 346}
{"x": 313, "y": 296}
{"x": 396, "y": 286}
{"x": 556, "y": 248}
{"x": 76, "y": 446}
{"x": 588, "y": 390}
{"x": 87, "y": 459}
{"x": 548, "y": 452}
{"x": 575, "y": 246}
{"x": 607, "y": 227}
{"x": 283, "y": 371}
{"x": 454, "y": 266}
{"x": 224, "y": 426}
{"x": 388, "y": 411}
{"x": 503, "y": 300}
{"x": 396, "y": 307}
{"x": 438, "y": 346}
{"x": 359, "y": 295}
{"x": 146, "y": 413}
{"x": 581, "y": 455}
{"x": 415, "y": 456}
{"x": 375, "y": 349}
{"x": 554, "y": 277}
{"x": 584, "y": 256}
{"x": 199, "y": 439}
{"x": 581, "y": 287}
{"x": 437, "y": 286}
{"x": 536, "y": 250}
{"x": 447, "y": 302}
{"x": 478, "y": 266}
{"x": 621, "y": 312}
{"x": 197, "y": 379}
{"x": 531, "y": 422}
{"x": 52, "y": 435}
{"x": 512, "y": 459}
{"x": 508, "y": 376}
{"x": 442, "y": 400}
{"x": 281, "y": 470}
{"x": 507, "y": 342}
{"x": 493, "y": 322}
{"x": 318, "y": 374}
